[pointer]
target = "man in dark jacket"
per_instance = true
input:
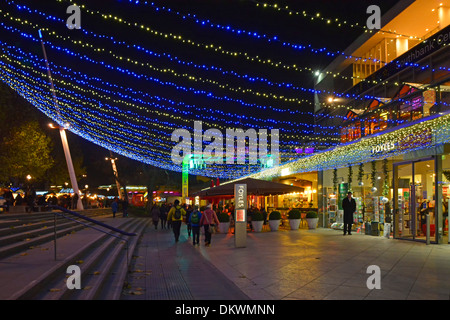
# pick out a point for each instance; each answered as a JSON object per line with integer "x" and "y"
{"x": 349, "y": 206}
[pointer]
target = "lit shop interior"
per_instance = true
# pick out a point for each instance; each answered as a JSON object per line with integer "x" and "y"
{"x": 392, "y": 190}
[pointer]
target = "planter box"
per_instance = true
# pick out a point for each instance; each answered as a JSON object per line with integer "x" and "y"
{"x": 257, "y": 225}
{"x": 223, "y": 227}
{"x": 294, "y": 223}
{"x": 312, "y": 222}
{"x": 274, "y": 225}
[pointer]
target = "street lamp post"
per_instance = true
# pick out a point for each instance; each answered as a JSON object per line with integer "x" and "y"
{"x": 62, "y": 133}
{"x": 116, "y": 174}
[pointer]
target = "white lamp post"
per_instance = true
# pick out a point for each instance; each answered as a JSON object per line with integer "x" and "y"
{"x": 62, "y": 132}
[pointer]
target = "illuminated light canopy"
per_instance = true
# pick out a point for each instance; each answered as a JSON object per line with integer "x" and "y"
{"x": 427, "y": 134}
{"x": 102, "y": 106}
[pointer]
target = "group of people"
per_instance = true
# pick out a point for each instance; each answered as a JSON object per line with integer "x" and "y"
{"x": 116, "y": 204}
{"x": 192, "y": 216}
{"x": 31, "y": 200}
{"x": 28, "y": 199}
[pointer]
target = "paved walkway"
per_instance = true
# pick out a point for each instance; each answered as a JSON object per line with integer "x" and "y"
{"x": 319, "y": 264}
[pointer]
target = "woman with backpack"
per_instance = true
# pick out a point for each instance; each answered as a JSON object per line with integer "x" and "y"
{"x": 176, "y": 217}
{"x": 194, "y": 221}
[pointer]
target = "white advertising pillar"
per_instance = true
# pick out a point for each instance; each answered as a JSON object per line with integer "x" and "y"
{"x": 240, "y": 213}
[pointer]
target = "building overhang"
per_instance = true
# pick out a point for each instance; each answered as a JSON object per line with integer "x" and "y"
{"x": 429, "y": 134}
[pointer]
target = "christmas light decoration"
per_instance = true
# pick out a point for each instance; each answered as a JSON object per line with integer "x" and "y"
{"x": 252, "y": 34}
{"x": 426, "y": 134}
{"x": 137, "y": 122}
{"x": 334, "y": 22}
{"x": 250, "y": 78}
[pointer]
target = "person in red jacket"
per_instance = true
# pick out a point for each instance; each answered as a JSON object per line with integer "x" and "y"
{"x": 208, "y": 220}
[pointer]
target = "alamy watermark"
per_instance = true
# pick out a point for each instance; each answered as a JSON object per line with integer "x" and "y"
{"x": 74, "y": 20}
{"x": 74, "y": 280}
{"x": 374, "y": 280}
{"x": 238, "y": 143}
{"x": 374, "y": 20}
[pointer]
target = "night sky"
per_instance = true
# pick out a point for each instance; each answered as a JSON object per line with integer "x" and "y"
{"x": 238, "y": 15}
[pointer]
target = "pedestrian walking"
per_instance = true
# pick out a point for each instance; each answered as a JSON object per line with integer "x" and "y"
{"x": 209, "y": 221}
{"x": 176, "y": 217}
{"x": 75, "y": 201}
{"x": 125, "y": 206}
{"x": 163, "y": 215}
{"x": 155, "y": 215}
{"x": 169, "y": 222}
{"x": 194, "y": 221}
{"x": 349, "y": 206}
{"x": 115, "y": 206}
{"x": 188, "y": 210}
{"x": 9, "y": 197}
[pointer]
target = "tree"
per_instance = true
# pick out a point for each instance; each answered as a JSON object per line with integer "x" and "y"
{"x": 25, "y": 151}
{"x": 58, "y": 174}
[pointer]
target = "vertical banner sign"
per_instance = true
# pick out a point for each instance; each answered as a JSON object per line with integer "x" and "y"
{"x": 185, "y": 178}
{"x": 343, "y": 189}
{"x": 240, "y": 207}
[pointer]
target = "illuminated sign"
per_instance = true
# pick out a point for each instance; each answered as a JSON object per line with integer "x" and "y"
{"x": 240, "y": 197}
{"x": 387, "y": 146}
{"x": 240, "y": 215}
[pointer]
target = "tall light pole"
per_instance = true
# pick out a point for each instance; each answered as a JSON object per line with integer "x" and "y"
{"x": 116, "y": 173}
{"x": 62, "y": 132}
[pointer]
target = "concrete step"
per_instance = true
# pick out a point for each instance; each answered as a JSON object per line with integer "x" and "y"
{"x": 113, "y": 268}
{"x": 32, "y": 276}
{"x": 33, "y": 234}
{"x": 95, "y": 264}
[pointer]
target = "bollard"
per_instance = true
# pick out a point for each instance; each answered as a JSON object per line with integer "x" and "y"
{"x": 428, "y": 229}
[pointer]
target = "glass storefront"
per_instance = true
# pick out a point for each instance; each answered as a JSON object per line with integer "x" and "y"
{"x": 414, "y": 191}
{"x": 391, "y": 191}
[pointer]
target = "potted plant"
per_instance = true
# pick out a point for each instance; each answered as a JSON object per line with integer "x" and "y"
{"x": 274, "y": 220}
{"x": 312, "y": 219}
{"x": 224, "y": 220}
{"x": 294, "y": 219}
{"x": 257, "y": 221}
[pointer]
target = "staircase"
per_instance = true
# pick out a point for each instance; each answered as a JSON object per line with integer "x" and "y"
{"x": 28, "y": 269}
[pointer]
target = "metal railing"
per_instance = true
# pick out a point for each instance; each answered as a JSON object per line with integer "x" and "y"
{"x": 88, "y": 225}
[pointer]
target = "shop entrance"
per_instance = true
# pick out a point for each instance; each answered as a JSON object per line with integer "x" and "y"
{"x": 414, "y": 195}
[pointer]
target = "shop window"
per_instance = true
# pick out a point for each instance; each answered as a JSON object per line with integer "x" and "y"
{"x": 344, "y": 135}
{"x": 417, "y": 108}
{"x": 404, "y": 91}
{"x": 383, "y": 120}
{"x": 429, "y": 100}
{"x": 356, "y": 131}
{"x": 444, "y": 96}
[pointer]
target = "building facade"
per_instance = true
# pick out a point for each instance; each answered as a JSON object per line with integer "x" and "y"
{"x": 388, "y": 113}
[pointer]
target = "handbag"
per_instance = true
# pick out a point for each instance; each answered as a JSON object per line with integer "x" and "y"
{"x": 212, "y": 227}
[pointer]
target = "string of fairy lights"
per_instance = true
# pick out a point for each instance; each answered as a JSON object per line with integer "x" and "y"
{"x": 136, "y": 122}
{"x": 246, "y": 55}
{"x": 71, "y": 108}
{"x": 263, "y": 94}
{"x": 271, "y": 39}
{"x": 257, "y": 35}
{"x": 333, "y": 22}
{"x": 191, "y": 77}
{"x": 420, "y": 136}
{"x": 108, "y": 95}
